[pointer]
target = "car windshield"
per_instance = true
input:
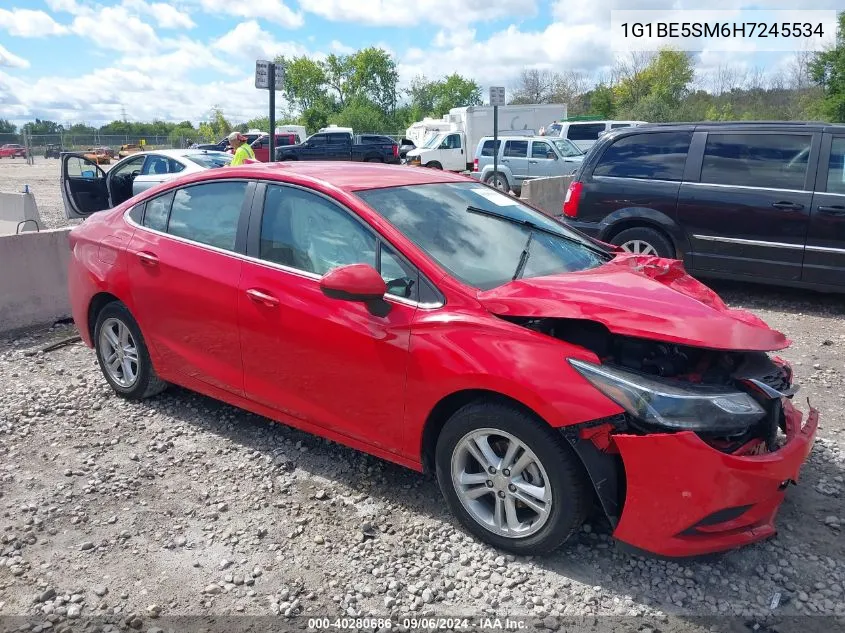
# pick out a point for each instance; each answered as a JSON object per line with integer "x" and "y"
{"x": 209, "y": 160}
{"x": 450, "y": 222}
{"x": 433, "y": 141}
{"x": 567, "y": 148}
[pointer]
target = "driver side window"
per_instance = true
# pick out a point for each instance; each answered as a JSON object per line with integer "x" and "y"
{"x": 132, "y": 165}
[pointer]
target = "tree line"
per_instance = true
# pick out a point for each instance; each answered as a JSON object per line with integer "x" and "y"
{"x": 361, "y": 90}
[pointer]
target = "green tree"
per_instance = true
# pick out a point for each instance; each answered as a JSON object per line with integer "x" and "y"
{"x": 305, "y": 82}
{"x": 436, "y": 98}
{"x": 601, "y": 101}
{"x": 215, "y": 128}
{"x": 39, "y": 127}
{"x": 340, "y": 72}
{"x": 362, "y": 115}
{"x": 374, "y": 76}
{"x": 827, "y": 69}
{"x": 664, "y": 80}
{"x": 7, "y": 127}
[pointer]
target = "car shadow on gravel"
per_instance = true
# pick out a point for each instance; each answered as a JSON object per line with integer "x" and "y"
{"x": 753, "y": 296}
{"x": 804, "y": 554}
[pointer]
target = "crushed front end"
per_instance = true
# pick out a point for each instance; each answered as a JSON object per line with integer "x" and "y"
{"x": 701, "y": 458}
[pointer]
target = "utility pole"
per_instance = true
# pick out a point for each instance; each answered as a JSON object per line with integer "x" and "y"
{"x": 497, "y": 98}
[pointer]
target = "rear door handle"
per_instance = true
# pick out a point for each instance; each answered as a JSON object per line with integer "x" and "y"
{"x": 834, "y": 210}
{"x": 787, "y": 205}
{"x": 259, "y": 296}
{"x": 147, "y": 259}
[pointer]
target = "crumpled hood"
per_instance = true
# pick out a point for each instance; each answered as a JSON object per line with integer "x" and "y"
{"x": 644, "y": 297}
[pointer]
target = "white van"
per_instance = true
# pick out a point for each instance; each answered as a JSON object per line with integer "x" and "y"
{"x": 585, "y": 133}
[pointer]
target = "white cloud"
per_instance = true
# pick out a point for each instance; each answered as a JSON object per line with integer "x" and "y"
{"x": 68, "y": 6}
{"x": 165, "y": 15}
{"x": 185, "y": 57}
{"x": 28, "y": 23}
{"x": 115, "y": 28}
{"x": 400, "y": 13}
{"x": 10, "y": 60}
{"x": 273, "y": 10}
{"x": 340, "y": 48}
{"x": 249, "y": 41}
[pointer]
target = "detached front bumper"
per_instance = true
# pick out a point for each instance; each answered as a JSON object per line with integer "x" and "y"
{"x": 685, "y": 498}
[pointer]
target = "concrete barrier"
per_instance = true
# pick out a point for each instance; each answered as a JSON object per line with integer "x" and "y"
{"x": 546, "y": 194}
{"x": 33, "y": 278}
{"x": 18, "y": 213}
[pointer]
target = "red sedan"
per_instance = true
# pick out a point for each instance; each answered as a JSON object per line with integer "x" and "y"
{"x": 433, "y": 321}
{"x": 12, "y": 150}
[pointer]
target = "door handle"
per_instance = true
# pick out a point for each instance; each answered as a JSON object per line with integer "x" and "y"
{"x": 787, "y": 205}
{"x": 834, "y": 210}
{"x": 147, "y": 259}
{"x": 533, "y": 162}
{"x": 262, "y": 297}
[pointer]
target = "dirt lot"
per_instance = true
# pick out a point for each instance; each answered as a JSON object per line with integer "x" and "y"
{"x": 43, "y": 181}
{"x": 180, "y": 506}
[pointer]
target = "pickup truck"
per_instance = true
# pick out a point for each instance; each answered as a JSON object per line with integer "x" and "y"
{"x": 343, "y": 146}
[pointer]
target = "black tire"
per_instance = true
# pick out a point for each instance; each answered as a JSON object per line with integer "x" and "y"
{"x": 501, "y": 178}
{"x": 658, "y": 241}
{"x": 571, "y": 493}
{"x": 434, "y": 165}
{"x": 147, "y": 383}
{"x": 375, "y": 160}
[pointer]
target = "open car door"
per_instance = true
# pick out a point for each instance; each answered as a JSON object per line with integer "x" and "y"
{"x": 84, "y": 187}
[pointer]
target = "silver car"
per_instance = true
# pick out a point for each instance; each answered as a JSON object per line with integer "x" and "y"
{"x": 524, "y": 157}
{"x": 87, "y": 188}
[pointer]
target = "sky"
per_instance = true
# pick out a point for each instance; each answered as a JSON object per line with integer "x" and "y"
{"x": 91, "y": 61}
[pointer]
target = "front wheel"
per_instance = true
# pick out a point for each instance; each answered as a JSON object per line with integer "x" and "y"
{"x": 642, "y": 240}
{"x": 499, "y": 181}
{"x": 510, "y": 479}
{"x": 434, "y": 165}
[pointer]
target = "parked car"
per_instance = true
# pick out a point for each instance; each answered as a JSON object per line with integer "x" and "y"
{"x": 53, "y": 150}
{"x": 371, "y": 148}
{"x": 96, "y": 155}
{"x": 585, "y": 133}
{"x": 86, "y": 188}
{"x": 523, "y": 158}
{"x": 438, "y": 323}
{"x": 261, "y": 145}
{"x": 129, "y": 149}
{"x": 405, "y": 146}
{"x": 751, "y": 201}
{"x": 12, "y": 150}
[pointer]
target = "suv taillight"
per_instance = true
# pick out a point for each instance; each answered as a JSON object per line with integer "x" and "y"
{"x": 395, "y": 151}
{"x": 475, "y": 165}
{"x": 573, "y": 197}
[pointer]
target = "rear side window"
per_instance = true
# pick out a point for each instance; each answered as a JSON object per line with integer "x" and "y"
{"x": 338, "y": 138}
{"x": 616, "y": 126}
{"x": 516, "y": 149}
{"x": 659, "y": 156}
{"x": 155, "y": 216}
{"x": 836, "y": 167}
{"x": 584, "y": 131}
{"x": 487, "y": 148}
{"x": 778, "y": 161}
{"x": 208, "y": 213}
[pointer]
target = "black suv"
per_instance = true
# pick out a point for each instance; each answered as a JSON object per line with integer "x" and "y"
{"x": 758, "y": 201}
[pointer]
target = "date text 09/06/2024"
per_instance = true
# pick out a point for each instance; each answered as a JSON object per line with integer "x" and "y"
{"x": 678, "y": 30}
{"x": 419, "y": 623}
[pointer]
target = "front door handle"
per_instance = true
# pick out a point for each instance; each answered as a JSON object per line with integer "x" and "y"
{"x": 784, "y": 204}
{"x": 837, "y": 209}
{"x": 533, "y": 162}
{"x": 259, "y": 296}
{"x": 147, "y": 259}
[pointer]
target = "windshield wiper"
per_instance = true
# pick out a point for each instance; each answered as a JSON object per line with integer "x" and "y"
{"x": 523, "y": 257}
{"x": 535, "y": 227}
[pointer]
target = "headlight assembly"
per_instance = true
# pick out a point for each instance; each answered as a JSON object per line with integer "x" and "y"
{"x": 672, "y": 404}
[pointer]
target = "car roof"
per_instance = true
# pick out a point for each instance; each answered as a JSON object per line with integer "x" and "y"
{"x": 705, "y": 125}
{"x": 346, "y": 176}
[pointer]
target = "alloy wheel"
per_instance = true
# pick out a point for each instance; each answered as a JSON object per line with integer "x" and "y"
{"x": 501, "y": 483}
{"x": 119, "y": 352}
{"x": 639, "y": 247}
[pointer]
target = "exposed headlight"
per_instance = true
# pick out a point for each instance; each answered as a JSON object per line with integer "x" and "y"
{"x": 674, "y": 404}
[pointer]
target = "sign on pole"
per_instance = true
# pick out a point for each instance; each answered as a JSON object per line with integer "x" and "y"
{"x": 497, "y": 95}
{"x": 262, "y": 75}
{"x": 497, "y": 98}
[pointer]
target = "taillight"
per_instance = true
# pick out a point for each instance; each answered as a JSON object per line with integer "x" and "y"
{"x": 395, "y": 151}
{"x": 573, "y": 197}
{"x": 475, "y": 165}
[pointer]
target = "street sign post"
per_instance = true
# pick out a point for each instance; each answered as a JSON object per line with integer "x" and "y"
{"x": 497, "y": 98}
{"x": 268, "y": 74}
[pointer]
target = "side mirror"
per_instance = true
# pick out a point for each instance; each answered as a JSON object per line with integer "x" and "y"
{"x": 355, "y": 282}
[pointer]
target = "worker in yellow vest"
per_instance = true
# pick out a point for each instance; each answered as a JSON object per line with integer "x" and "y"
{"x": 241, "y": 149}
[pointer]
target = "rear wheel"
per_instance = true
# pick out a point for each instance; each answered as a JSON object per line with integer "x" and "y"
{"x": 642, "y": 240}
{"x": 509, "y": 479}
{"x": 434, "y": 165}
{"x": 375, "y": 160}
{"x": 499, "y": 181}
{"x": 123, "y": 356}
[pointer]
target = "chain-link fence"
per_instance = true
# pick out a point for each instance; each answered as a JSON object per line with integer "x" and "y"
{"x": 82, "y": 142}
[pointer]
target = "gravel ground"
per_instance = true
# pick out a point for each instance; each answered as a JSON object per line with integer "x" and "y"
{"x": 43, "y": 181}
{"x": 182, "y": 506}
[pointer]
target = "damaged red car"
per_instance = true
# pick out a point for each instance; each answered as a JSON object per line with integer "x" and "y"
{"x": 436, "y": 322}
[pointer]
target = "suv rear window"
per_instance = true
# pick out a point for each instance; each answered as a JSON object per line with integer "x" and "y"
{"x": 516, "y": 149}
{"x": 660, "y": 156}
{"x": 778, "y": 161}
{"x": 487, "y": 148}
{"x": 584, "y": 131}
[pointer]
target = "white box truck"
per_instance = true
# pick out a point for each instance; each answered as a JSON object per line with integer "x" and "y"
{"x": 453, "y": 149}
{"x": 421, "y": 130}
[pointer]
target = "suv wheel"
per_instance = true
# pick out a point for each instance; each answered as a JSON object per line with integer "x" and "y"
{"x": 641, "y": 240}
{"x": 499, "y": 181}
{"x": 510, "y": 479}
